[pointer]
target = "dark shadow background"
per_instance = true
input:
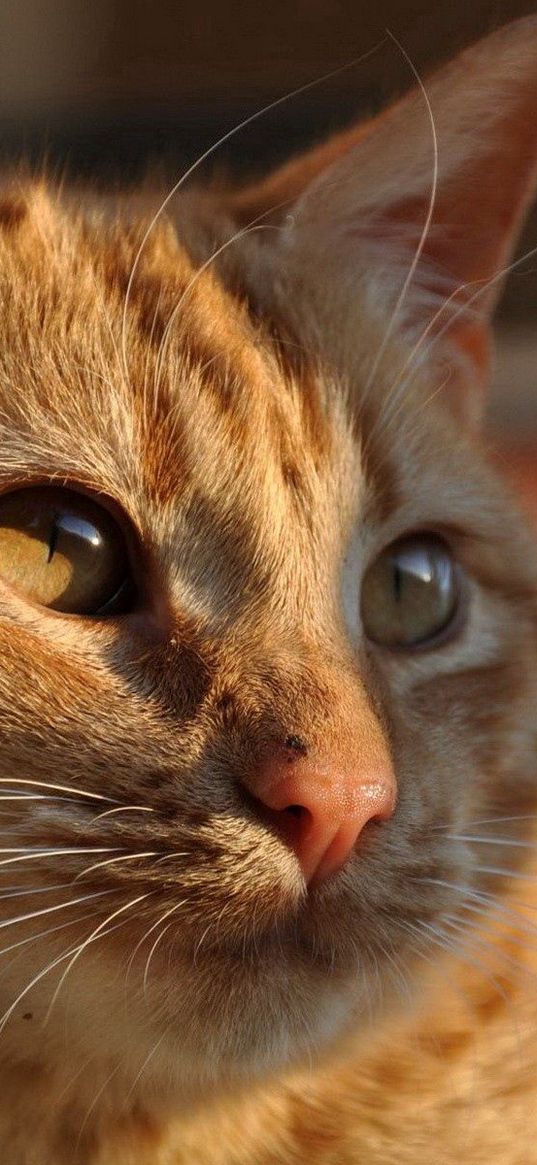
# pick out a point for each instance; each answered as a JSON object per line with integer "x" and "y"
{"x": 105, "y": 88}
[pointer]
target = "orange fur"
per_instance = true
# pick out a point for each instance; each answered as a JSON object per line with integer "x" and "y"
{"x": 262, "y": 422}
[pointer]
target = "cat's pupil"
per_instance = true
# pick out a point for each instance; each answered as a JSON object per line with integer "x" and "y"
{"x": 397, "y": 581}
{"x": 53, "y": 539}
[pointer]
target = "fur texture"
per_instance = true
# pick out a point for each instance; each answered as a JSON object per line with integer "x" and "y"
{"x": 263, "y": 412}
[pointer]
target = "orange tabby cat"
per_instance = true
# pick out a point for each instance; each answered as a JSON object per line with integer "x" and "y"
{"x": 268, "y": 673}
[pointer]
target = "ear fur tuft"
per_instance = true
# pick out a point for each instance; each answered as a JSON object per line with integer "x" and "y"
{"x": 360, "y": 202}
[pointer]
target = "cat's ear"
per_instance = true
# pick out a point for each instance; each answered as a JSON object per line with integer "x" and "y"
{"x": 443, "y": 177}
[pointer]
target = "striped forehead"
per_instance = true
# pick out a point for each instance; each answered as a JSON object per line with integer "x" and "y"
{"x": 177, "y": 406}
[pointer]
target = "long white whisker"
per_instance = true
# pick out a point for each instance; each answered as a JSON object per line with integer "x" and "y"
{"x": 94, "y": 1103}
{"x": 145, "y": 936}
{"x": 426, "y": 226}
{"x": 147, "y": 1061}
{"x": 398, "y": 970}
{"x": 110, "y": 861}
{"x": 394, "y": 407}
{"x": 124, "y": 809}
{"x": 22, "y": 892}
{"x": 439, "y": 938}
{"x": 35, "y": 797}
{"x": 95, "y": 934}
{"x": 482, "y": 840}
{"x": 51, "y": 909}
{"x": 58, "y": 788}
{"x": 487, "y": 904}
{"x": 493, "y": 820}
{"x": 240, "y": 234}
{"x": 156, "y": 943}
{"x": 41, "y": 975}
{"x": 522, "y": 875}
{"x": 207, "y": 154}
{"x": 482, "y": 287}
{"x": 50, "y": 853}
{"x": 417, "y": 949}
{"x": 43, "y": 933}
{"x": 464, "y": 926}
{"x": 36, "y": 979}
{"x": 177, "y": 854}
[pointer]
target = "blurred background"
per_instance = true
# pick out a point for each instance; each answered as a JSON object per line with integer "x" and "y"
{"x": 107, "y": 88}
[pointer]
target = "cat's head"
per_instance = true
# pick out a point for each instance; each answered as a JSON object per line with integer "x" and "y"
{"x": 267, "y": 620}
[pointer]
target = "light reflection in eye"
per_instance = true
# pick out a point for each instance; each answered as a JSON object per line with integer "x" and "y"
{"x": 78, "y": 527}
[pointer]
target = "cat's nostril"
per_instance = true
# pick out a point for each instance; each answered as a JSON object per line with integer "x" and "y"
{"x": 295, "y": 810}
{"x": 291, "y": 823}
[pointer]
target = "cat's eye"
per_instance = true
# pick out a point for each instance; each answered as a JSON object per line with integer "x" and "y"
{"x": 411, "y": 592}
{"x": 63, "y": 550}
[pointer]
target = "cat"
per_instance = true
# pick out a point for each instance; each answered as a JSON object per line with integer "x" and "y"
{"x": 268, "y": 622}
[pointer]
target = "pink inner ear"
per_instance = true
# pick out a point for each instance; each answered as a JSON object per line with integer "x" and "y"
{"x": 519, "y": 465}
{"x": 443, "y": 301}
{"x": 367, "y": 210}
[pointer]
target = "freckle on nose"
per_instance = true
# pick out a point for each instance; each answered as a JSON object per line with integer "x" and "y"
{"x": 296, "y": 744}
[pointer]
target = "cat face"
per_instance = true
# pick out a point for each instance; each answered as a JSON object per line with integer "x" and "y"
{"x": 276, "y": 550}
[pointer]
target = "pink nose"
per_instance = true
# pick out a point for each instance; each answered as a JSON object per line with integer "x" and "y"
{"x": 320, "y": 807}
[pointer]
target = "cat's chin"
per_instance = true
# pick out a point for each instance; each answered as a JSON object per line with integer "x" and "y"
{"x": 274, "y": 1008}
{"x": 276, "y": 1027}
{"x": 200, "y": 1030}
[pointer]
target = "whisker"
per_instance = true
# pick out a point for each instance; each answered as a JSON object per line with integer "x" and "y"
{"x": 156, "y": 943}
{"x": 37, "y": 978}
{"x": 60, "y": 1095}
{"x": 44, "y": 933}
{"x": 419, "y": 952}
{"x": 253, "y": 117}
{"x": 124, "y": 809}
{"x": 50, "y": 853}
{"x": 110, "y": 861}
{"x": 488, "y": 904}
{"x": 492, "y": 820}
{"x": 522, "y": 875}
{"x": 147, "y": 1061}
{"x": 467, "y": 927}
{"x": 489, "y": 840}
{"x": 482, "y": 286}
{"x": 511, "y": 919}
{"x": 58, "y": 788}
{"x": 394, "y": 406}
{"x": 439, "y": 938}
{"x": 80, "y": 950}
{"x": 145, "y": 936}
{"x": 240, "y": 234}
{"x": 94, "y": 1103}
{"x": 51, "y": 909}
{"x": 426, "y": 226}
{"x": 397, "y": 968}
{"x": 22, "y": 892}
{"x": 35, "y": 797}
{"x": 167, "y": 857}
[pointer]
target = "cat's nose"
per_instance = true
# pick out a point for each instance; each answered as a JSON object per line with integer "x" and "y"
{"x": 320, "y": 806}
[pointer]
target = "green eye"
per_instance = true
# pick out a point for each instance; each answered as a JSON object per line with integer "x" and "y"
{"x": 411, "y": 593}
{"x": 61, "y": 549}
